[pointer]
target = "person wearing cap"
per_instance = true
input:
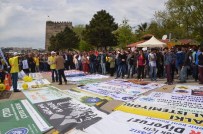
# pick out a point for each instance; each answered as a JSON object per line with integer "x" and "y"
{"x": 14, "y": 63}
{"x": 52, "y": 63}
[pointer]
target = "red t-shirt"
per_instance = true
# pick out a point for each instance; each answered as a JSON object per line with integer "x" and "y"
{"x": 141, "y": 60}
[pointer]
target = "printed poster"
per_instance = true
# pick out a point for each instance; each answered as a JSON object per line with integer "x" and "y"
{"x": 125, "y": 123}
{"x": 38, "y": 83}
{"x": 73, "y": 73}
{"x": 162, "y": 112}
{"x": 36, "y": 75}
{"x": 87, "y": 97}
{"x": 44, "y": 94}
{"x": 177, "y": 101}
{"x": 19, "y": 116}
{"x": 87, "y": 77}
{"x": 189, "y": 90}
{"x": 66, "y": 114}
{"x": 120, "y": 89}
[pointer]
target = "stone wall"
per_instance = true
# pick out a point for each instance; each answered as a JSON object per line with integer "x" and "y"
{"x": 52, "y": 28}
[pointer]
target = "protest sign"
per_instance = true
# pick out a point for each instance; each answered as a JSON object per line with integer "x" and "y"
{"x": 36, "y": 75}
{"x": 189, "y": 90}
{"x": 19, "y": 116}
{"x": 38, "y": 83}
{"x": 162, "y": 112}
{"x": 119, "y": 89}
{"x": 66, "y": 114}
{"x": 44, "y": 94}
{"x": 73, "y": 73}
{"x": 87, "y": 97}
{"x": 125, "y": 123}
{"x": 87, "y": 77}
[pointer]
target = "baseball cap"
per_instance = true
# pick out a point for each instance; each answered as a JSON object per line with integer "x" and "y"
{"x": 15, "y": 53}
{"x": 52, "y": 52}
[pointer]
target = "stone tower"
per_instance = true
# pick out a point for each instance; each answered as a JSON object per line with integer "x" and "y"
{"x": 52, "y": 28}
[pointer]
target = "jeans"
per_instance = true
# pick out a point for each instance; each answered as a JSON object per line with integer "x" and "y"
{"x": 56, "y": 75}
{"x": 183, "y": 73}
{"x": 103, "y": 68}
{"x": 200, "y": 69}
{"x": 195, "y": 72}
{"x": 92, "y": 67}
{"x": 130, "y": 70}
{"x": 14, "y": 80}
{"x": 153, "y": 72}
{"x": 121, "y": 70}
{"x": 61, "y": 75}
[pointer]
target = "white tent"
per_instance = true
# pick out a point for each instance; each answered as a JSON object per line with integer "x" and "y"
{"x": 153, "y": 42}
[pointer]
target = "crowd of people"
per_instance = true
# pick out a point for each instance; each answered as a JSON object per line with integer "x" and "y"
{"x": 138, "y": 64}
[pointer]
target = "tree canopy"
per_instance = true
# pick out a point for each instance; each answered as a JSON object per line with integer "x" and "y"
{"x": 66, "y": 39}
{"x": 99, "y": 31}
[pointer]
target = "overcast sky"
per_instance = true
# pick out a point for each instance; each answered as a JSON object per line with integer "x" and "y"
{"x": 22, "y": 22}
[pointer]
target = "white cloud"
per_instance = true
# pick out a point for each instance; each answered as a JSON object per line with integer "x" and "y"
{"x": 22, "y": 22}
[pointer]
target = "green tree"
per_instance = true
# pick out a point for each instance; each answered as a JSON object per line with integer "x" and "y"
{"x": 66, "y": 39}
{"x": 184, "y": 17}
{"x": 79, "y": 29}
{"x": 124, "y": 34}
{"x": 84, "y": 46}
{"x": 99, "y": 32}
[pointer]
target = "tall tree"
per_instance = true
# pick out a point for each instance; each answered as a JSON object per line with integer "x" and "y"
{"x": 124, "y": 34}
{"x": 99, "y": 31}
{"x": 186, "y": 17}
{"x": 66, "y": 39}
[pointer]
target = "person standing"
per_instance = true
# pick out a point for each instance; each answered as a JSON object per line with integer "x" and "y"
{"x": 200, "y": 66}
{"x": 152, "y": 64}
{"x": 52, "y": 63}
{"x": 31, "y": 63}
{"x": 14, "y": 63}
{"x": 140, "y": 65}
{"x": 185, "y": 67}
{"x": 167, "y": 62}
{"x": 60, "y": 67}
{"x": 36, "y": 59}
{"x": 112, "y": 63}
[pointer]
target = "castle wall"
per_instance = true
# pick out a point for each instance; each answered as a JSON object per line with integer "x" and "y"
{"x": 52, "y": 28}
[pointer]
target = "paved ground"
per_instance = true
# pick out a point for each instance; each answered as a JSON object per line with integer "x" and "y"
{"x": 108, "y": 106}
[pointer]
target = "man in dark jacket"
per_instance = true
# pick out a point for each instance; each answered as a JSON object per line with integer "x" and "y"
{"x": 185, "y": 67}
{"x": 200, "y": 66}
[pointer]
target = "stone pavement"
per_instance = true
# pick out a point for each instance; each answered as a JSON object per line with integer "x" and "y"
{"x": 111, "y": 104}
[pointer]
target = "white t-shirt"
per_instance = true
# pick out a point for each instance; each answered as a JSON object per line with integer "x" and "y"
{"x": 25, "y": 64}
{"x": 152, "y": 60}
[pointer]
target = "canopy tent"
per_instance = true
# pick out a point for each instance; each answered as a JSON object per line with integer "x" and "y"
{"x": 153, "y": 42}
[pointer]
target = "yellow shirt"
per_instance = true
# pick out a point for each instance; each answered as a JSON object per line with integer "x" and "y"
{"x": 14, "y": 64}
{"x": 51, "y": 62}
{"x": 36, "y": 59}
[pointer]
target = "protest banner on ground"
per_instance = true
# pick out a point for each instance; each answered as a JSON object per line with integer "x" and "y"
{"x": 177, "y": 101}
{"x": 38, "y": 83}
{"x": 36, "y": 75}
{"x": 189, "y": 90}
{"x": 66, "y": 114}
{"x": 73, "y": 73}
{"x": 87, "y": 97}
{"x": 87, "y": 77}
{"x": 162, "y": 112}
{"x": 119, "y": 89}
{"x": 44, "y": 94}
{"x": 19, "y": 116}
{"x": 125, "y": 123}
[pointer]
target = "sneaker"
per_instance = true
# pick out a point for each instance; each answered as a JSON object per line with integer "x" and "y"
{"x": 17, "y": 90}
{"x": 60, "y": 84}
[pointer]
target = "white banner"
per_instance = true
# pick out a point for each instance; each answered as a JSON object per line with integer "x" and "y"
{"x": 44, "y": 94}
{"x": 120, "y": 89}
{"x": 125, "y": 123}
{"x": 36, "y": 75}
{"x": 189, "y": 90}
